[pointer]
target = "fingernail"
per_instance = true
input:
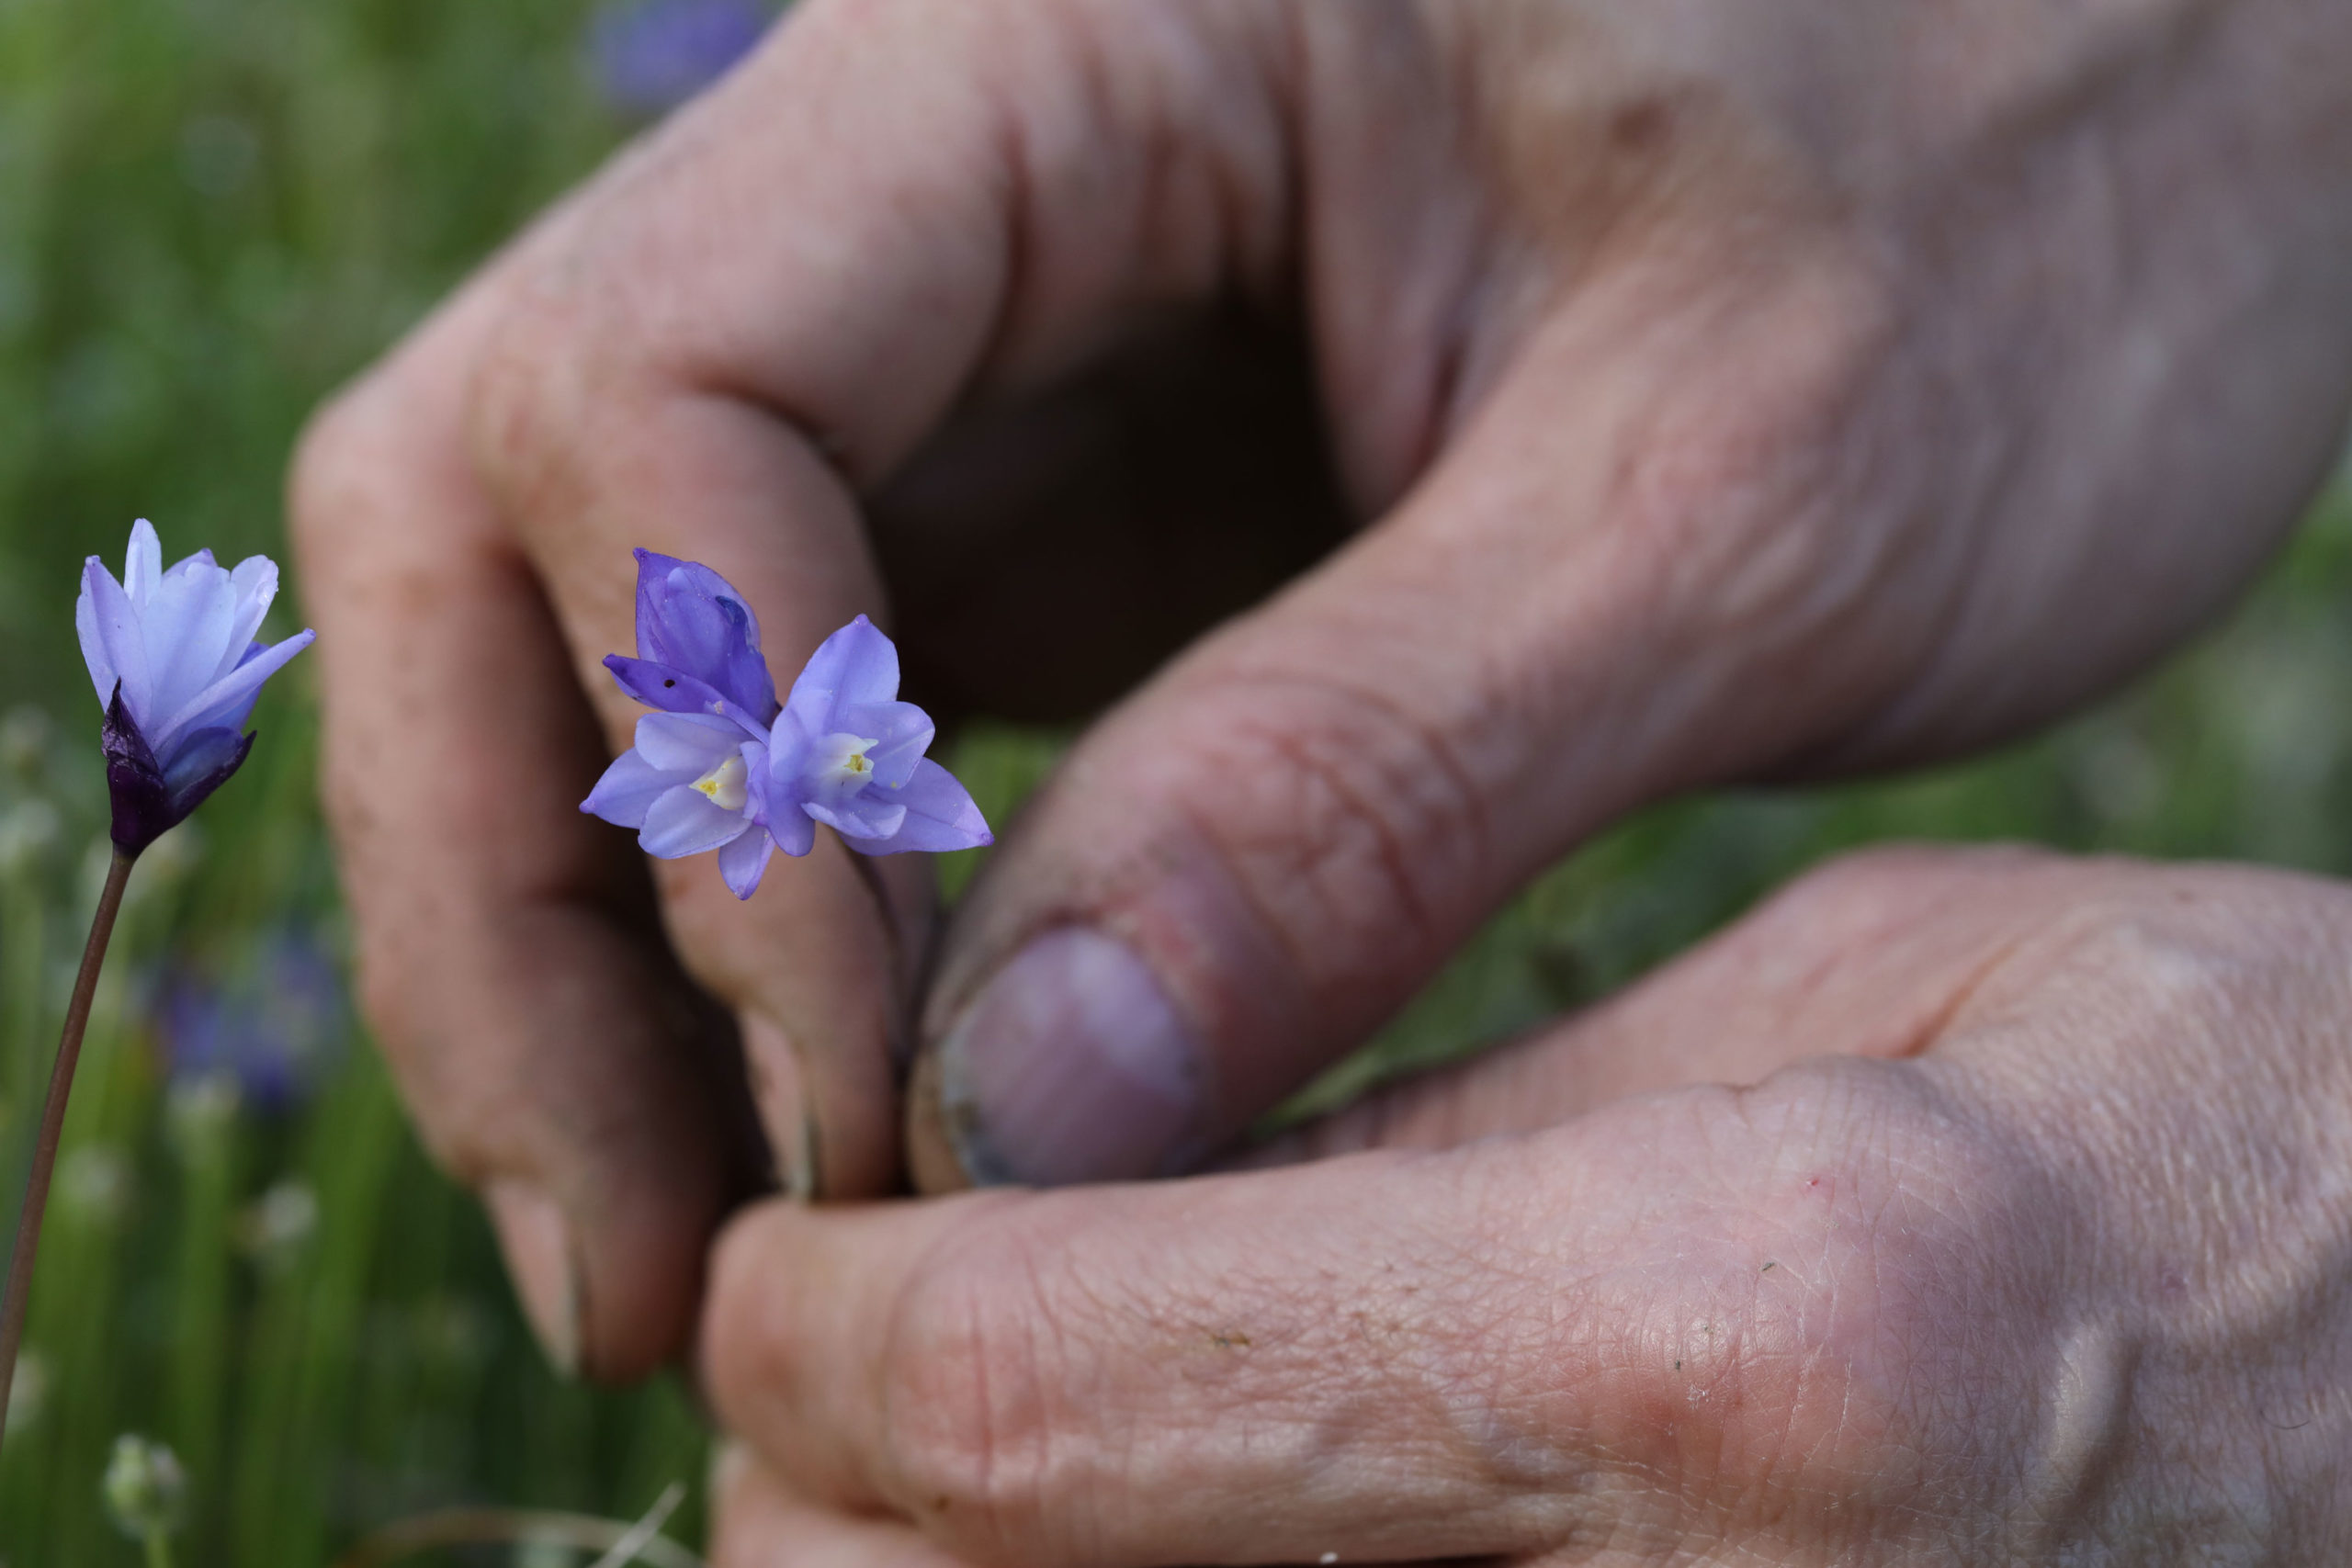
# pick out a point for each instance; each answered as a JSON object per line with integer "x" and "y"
{"x": 1070, "y": 1066}
{"x": 536, "y": 1239}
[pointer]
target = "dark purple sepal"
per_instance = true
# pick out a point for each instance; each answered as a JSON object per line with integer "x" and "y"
{"x": 147, "y": 803}
{"x": 142, "y": 805}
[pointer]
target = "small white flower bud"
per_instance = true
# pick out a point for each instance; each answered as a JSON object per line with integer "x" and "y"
{"x": 146, "y": 1490}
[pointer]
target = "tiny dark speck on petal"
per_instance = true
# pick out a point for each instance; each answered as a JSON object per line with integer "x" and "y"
{"x": 669, "y": 682}
{"x": 1767, "y": 1269}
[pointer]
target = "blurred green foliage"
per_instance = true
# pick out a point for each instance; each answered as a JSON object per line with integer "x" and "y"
{"x": 211, "y": 212}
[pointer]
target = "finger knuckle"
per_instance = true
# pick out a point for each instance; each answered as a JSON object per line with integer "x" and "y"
{"x": 1350, "y": 818}
{"x": 969, "y": 1411}
{"x": 1824, "y": 1331}
{"x": 334, "y": 453}
{"x": 1754, "y": 488}
{"x": 530, "y": 393}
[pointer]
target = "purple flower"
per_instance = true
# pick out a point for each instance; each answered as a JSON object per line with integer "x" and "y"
{"x": 721, "y": 767}
{"x": 274, "y": 1030}
{"x": 655, "y": 54}
{"x": 173, "y": 656}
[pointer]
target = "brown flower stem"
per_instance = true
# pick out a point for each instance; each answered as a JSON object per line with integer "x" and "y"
{"x": 52, "y": 1126}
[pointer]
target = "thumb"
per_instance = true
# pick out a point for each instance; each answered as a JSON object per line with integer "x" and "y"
{"x": 1611, "y": 587}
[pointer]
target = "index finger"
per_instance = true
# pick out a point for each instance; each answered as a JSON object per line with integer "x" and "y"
{"x": 758, "y": 314}
{"x": 552, "y": 1053}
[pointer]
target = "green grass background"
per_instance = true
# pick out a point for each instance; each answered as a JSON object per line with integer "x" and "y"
{"x": 211, "y": 212}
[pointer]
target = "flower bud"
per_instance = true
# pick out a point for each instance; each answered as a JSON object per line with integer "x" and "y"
{"x": 146, "y": 1490}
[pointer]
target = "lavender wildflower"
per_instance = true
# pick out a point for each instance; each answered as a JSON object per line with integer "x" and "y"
{"x": 723, "y": 767}
{"x": 173, "y": 656}
{"x": 178, "y": 669}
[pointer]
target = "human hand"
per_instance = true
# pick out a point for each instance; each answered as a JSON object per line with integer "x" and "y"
{"x": 2030, "y": 1240}
{"x": 1725, "y": 390}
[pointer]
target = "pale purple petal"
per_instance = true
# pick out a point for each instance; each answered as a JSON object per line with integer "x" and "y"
{"x": 788, "y": 755}
{"x": 93, "y": 650}
{"x": 142, "y": 565}
{"x": 688, "y": 744}
{"x": 744, "y": 861}
{"x": 941, "y": 816}
{"x": 627, "y": 790}
{"x": 225, "y": 703}
{"x": 854, "y": 667}
{"x": 692, "y": 619}
{"x": 254, "y": 583}
{"x": 860, "y": 816}
{"x": 674, "y": 690}
{"x": 187, "y": 623}
{"x": 121, "y": 649}
{"x": 793, "y": 833}
{"x": 755, "y": 780}
{"x": 683, "y": 821}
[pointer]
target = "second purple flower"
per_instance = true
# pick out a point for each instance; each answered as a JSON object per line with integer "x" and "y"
{"x": 720, "y": 766}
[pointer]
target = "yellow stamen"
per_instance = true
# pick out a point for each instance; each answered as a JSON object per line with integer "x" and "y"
{"x": 725, "y": 783}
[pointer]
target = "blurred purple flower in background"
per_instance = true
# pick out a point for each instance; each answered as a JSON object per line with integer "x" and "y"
{"x": 273, "y": 1030}
{"x": 721, "y": 767}
{"x": 652, "y": 55}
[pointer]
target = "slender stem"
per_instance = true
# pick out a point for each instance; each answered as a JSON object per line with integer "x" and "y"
{"x": 492, "y": 1527}
{"x": 52, "y": 1126}
{"x": 159, "y": 1547}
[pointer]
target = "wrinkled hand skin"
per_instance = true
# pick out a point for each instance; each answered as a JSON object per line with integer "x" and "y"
{"x": 1704, "y": 390}
{"x": 2029, "y": 1240}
